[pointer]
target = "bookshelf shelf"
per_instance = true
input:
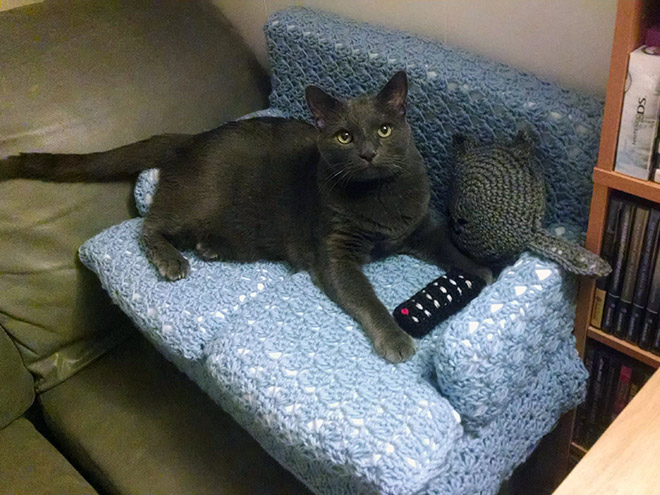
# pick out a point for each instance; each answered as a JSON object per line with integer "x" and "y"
{"x": 625, "y": 347}
{"x": 641, "y": 188}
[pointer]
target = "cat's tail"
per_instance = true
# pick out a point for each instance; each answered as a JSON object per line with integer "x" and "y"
{"x": 569, "y": 255}
{"x": 116, "y": 164}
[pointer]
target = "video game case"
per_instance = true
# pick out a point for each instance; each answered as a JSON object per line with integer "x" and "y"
{"x": 644, "y": 272}
{"x": 650, "y": 321}
{"x": 639, "y": 114}
{"x": 616, "y": 277}
{"x": 624, "y": 305}
{"x": 607, "y": 252}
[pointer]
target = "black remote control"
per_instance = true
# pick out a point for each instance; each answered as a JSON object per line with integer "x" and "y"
{"x": 436, "y": 302}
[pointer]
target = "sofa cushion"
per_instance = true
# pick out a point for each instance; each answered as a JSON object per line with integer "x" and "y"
{"x": 136, "y": 425}
{"x": 16, "y": 384}
{"x": 81, "y": 76}
{"x": 29, "y": 464}
{"x": 180, "y": 317}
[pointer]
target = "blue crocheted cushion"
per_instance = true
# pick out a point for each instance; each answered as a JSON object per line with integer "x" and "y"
{"x": 451, "y": 92}
{"x": 179, "y": 317}
{"x": 302, "y": 377}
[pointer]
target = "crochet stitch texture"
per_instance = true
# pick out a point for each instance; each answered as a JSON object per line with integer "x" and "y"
{"x": 298, "y": 373}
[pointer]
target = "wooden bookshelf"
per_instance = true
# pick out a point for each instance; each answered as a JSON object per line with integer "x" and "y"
{"x": 578, "y": 450}
{"x": 641, "y": 188}
{"x": 632, "y": 18}
{"x": 625, "y": 347}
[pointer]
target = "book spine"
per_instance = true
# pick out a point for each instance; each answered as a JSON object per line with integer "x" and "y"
{"x": 609, "y": 393}
{"x": 655, "y": 172}
{"x": 622, "y": 389}
{"x": 580, "y": 427}
{"x": 655, "y": 346}
{"x": 639, "y": 115}
{"x": 598, "y": 307}
{"x": 630, "y": 275}
{"x": 607, "y": 253}
{"x": 637, "y": 381}
{"x": 650, "y": 321}
{"x": 601, "y": 362}
{"x": 640, "y": 294}
{"x": 616, "y": 277}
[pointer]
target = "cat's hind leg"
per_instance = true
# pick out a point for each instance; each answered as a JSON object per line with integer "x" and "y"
{"x": 167, "y": 259}
{"x": 206, "y": 251}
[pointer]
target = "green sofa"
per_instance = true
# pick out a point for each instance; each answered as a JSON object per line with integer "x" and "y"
{"x": 86, "y": 404}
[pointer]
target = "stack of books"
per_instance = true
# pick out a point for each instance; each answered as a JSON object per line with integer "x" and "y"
{"x": 614, "y": 379}
{"x": 627, "y": 303}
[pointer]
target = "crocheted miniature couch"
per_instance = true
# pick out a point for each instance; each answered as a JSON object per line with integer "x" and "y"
{"x": 300, "y": 376}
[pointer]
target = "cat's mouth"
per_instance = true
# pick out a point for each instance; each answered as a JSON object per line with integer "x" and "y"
{"x": 369, "y": 172}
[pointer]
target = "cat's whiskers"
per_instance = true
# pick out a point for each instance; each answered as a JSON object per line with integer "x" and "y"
{"x": 335, "y": 179}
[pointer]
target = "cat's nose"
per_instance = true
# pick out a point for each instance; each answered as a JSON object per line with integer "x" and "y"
{"x": 368, "y": 155}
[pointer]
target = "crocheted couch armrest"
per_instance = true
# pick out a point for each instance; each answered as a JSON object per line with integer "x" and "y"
{"x": 500, "y": 342}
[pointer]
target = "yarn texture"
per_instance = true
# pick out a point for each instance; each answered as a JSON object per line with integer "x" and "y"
{"x": 497, "y": 206}
{"x": 300, "y": 375}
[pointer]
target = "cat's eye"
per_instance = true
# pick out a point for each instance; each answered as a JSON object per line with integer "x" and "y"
{"x": 385, "y": 130}
{"x": 344, "y": 137}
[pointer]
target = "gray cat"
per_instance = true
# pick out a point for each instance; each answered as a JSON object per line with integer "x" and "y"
{"x": 326, "y": 199}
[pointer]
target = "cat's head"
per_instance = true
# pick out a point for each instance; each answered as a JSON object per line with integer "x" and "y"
{"x": 366, "y": 138}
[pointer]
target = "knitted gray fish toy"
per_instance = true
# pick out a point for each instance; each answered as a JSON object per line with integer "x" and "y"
{"x": 498, "y": 203}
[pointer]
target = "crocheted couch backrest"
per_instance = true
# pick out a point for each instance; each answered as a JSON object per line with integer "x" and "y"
{"x": 451, "y": 92}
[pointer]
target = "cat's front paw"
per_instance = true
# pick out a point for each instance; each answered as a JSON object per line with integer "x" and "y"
{"x": 173, "y": 268}
{"x": 395, "y": 347}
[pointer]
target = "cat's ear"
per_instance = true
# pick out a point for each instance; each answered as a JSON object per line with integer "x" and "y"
{"x": 395, "y": 93}
{"x": 321, "y": 104}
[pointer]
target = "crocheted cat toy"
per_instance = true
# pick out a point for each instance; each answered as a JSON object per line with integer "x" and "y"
{"x": 497, "y": 206}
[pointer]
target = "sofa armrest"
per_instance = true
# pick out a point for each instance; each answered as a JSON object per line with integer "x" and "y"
{"x": 491, "y": 350}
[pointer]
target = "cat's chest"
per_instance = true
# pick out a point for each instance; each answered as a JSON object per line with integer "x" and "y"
{"x": 390, "y": 214}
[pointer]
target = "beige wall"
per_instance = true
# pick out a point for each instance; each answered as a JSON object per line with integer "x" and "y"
{"x": 566, "y": 41}
{"x": 10, "y": 4}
